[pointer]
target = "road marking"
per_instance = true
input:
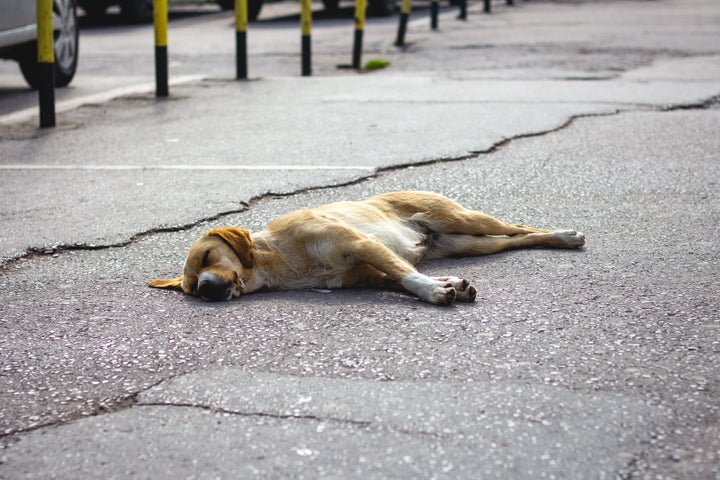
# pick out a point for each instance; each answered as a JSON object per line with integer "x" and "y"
{"x": 94, "y": 98}
{"x": 187, "y": 167}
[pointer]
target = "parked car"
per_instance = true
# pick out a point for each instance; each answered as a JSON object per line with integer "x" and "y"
{"x": 18, "y": 38}
{"x": 141, "y": 11}
{"x": 378, "y": 8}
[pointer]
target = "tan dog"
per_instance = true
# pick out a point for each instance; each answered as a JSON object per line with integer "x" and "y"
{"x": 373, "y": 243}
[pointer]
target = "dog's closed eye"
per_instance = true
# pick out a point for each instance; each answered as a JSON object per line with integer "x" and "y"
{"x": 205, "y": 260}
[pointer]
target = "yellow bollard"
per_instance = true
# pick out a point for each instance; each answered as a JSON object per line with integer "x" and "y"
{"x": 160, "y": 20}
{"x": 306, "y": 30}
{"x": 46, "y": 63}
{"x": 404, "y": 15}
{"x": 360, "y": 7}
{"x": 241, "y": 26}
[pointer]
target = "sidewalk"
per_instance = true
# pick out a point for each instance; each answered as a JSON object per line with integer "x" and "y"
{"x": 600, "y": 116}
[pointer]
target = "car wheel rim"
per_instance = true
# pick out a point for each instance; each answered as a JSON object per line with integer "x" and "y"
{"x": 66, "y": 39}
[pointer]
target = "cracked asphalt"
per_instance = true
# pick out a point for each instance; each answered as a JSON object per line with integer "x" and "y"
{"x": 599, "y": 363}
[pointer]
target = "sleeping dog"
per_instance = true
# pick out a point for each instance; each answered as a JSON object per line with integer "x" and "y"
{"x": 372, "y": 243}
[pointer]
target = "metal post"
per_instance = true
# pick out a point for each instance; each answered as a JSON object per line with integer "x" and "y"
{"x": 306, "y": 31}
{"x": 402, "y": 27}
{"x": 487, "y": 6}
{"x": 434, "y": 10}
{"x": 160, "y": 19}
{"x": 241, "y": 23}
{"x": 463, "y": 10}
{"x": 46, "y": 63}
{"x": 360, "y": 7}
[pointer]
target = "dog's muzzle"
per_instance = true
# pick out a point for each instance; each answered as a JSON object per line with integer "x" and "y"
{"x": 213, "y": 288}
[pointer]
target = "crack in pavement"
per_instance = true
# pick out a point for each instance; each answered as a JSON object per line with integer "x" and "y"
{"x": 115, "y": 405}
{"x": 33, "y": 252}
{"x": 124, "y": 403}
{"x": 132, "y": 401}
{"x": 277, "y": 416}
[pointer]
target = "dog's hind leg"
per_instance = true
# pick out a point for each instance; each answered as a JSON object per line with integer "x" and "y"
{"x": 442, "y": 215}
{"x": 455, "y": 245}
{"x": 470, "y": 222}
{"x": 462, "y": 232}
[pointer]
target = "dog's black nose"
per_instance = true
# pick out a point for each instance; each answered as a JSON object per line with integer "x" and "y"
{"x": 213, "y": 289}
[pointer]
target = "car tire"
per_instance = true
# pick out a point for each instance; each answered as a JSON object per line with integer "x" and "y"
{"x": 66, "y": 48}
{"x": 137, "y": 11}
{"x": 331, "y": 5}
{"x": 254, "y": 7}
{"x": 381, "y": 8}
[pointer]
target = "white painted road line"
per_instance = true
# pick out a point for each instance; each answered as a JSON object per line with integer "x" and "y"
{"x": 16, "y": 166}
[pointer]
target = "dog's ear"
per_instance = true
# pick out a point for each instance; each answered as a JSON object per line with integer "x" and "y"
{"x": 170, "y": 283}
{"x": 239, "y": 240}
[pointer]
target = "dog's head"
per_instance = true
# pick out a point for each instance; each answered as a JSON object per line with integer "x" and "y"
{"x": 216, "y": 267}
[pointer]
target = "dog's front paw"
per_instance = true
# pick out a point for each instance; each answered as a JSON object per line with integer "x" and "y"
{"x": 430, "y": 289}
{"x": 465, "y": 291}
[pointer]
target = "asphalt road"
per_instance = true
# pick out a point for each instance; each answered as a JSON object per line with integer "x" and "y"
{"x": 596, "y": 363}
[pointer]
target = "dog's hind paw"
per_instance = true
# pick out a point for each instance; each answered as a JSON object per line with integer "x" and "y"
{"x": 569, "y": 238}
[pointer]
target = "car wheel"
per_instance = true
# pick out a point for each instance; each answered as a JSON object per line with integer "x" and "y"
{"x": 66, "y": 48}
{"x": 137, "y": 11}
{"x": 381, "y": 8}
{"x": 331, "y": 5}
{"x": 254, "y": 7}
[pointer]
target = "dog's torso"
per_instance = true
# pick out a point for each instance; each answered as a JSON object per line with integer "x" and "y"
{"x": 305, "y": 248}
